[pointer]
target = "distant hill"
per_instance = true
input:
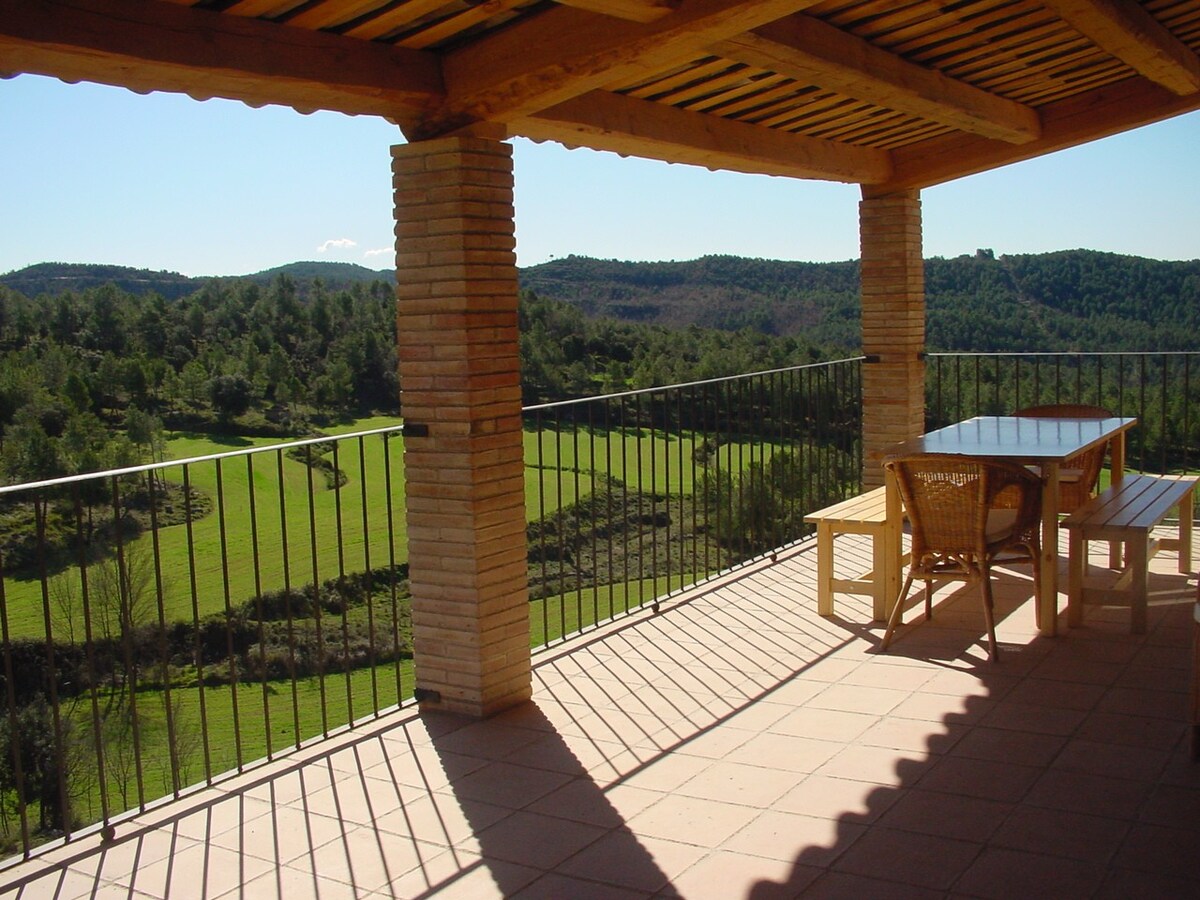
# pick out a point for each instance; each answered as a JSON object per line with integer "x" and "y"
{"x": 56, "y": 278}
{"x": 1067, "y": 300}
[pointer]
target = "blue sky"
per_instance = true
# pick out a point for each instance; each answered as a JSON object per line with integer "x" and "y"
{"x": 102, "y": 175}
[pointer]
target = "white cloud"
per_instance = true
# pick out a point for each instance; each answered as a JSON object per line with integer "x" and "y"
{"x": 381, "y": 251}
{"x": 337, "y": 244}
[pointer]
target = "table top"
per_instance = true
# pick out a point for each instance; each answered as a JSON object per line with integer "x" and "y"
{"x": 1019, "y": 438}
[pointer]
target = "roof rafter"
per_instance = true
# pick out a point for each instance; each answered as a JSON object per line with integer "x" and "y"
{"x": 608, "y": 121}
{"x": 813, "y": 52}
{"x": 563, "y": 52}
{"x": 1086, "y": 117}
{"x": 1133, "y": 35}
{"x": 152, "y": 46}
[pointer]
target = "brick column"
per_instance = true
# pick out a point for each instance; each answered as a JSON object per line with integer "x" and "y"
{"x": 893, "y": 324}
{"x": 456, "y": 315}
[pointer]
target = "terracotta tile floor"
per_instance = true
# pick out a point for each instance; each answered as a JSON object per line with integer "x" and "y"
{"x": 736, "y": 745}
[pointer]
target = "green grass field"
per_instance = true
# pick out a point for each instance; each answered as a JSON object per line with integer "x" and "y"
{"x": 269, "y": 501}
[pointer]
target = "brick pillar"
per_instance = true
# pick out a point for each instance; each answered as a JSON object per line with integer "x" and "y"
{"x": 893, "y": 324}
{"x": 456, "y": 315}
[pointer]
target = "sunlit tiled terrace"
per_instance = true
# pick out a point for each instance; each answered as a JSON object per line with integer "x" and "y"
{"x": 736, "y": 745}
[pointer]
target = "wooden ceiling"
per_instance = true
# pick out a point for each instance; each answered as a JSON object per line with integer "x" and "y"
{"x": 890, "y": 94}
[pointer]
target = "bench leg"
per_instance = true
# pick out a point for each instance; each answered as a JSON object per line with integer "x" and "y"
{"x": 880, "y": 560}
{"x": 824, "y": 570}
{"x": 1186, "y": 512}
{"x": 1077, "y": 565}
{"x": 1139, "y": 563}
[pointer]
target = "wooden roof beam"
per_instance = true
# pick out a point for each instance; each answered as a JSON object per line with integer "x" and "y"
{"x": 626, "y": 125}
{"x": 813, "y": 52}
{"x": 1127, "y": 31}
{"x": 1100, "y": 113}
{"x": 631, "y": 10}
{"x": 562, "y": 53}
{"x": 152, "y": 46}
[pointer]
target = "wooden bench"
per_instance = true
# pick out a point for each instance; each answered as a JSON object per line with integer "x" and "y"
{"x": 864, "y": 514}
{"x": 1127, "y": 512}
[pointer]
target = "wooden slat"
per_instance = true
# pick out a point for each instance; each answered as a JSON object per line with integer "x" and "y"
{"x": 394, "y": 19}
{"x": 563, "y": 53}
{"x": 1067, "y": 123}
{"x": 806, "y": 49}
{"x": 1138, "y": 502}
{"x": 323, "y": 15}
{"x": 146, "y": 46}
{"x": 631, "y": 10}
{"x": 639, "y": 128}
{"x": 1133, "y": 35}
{"x": 457, "y": 23}
{"x": 870, "y": 506}
{"x": 253, "y": 8}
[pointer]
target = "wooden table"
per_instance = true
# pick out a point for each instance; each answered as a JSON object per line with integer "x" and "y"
{"x": 1045, "y": 443}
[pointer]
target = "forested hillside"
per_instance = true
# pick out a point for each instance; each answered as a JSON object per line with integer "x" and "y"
{"x": 90, "y": 375}
{"x": 1071, "y": 300}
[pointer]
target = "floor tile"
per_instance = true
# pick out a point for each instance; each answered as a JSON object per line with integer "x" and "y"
{"x": 735, "y": 745}
{"x": 920, "y": 860}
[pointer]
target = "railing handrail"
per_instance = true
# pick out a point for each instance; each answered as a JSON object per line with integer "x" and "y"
{"x": 689, "y": 384}
{"x": 1044, "y": 353}
{"x": 174, "y": 463}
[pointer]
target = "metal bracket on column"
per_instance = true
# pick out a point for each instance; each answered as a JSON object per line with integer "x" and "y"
{"x": 414, "y": 429}
{"x": 427, "y": 695}
{"x": 875, "y": 357}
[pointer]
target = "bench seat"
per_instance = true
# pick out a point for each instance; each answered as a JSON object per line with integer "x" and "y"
{"x": 1127, "y": 512}
{"x": 863, "y": 514}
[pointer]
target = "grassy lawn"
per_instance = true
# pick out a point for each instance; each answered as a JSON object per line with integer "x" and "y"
{"x": 270, "y": 501}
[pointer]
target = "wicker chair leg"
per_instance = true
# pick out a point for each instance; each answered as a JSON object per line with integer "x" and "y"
{"x": 928, "y": 600}
{"x": 897, "y": 613}
{"x": 989, "y": 616}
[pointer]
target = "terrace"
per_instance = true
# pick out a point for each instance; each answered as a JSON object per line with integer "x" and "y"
{"x": 696, "y": 729}
{"x": 893, "y": 97}
{"x": 733, "y": 745}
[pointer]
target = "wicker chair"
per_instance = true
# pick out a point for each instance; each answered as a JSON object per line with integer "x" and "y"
{"x": 1079, "y": 475}
{"x": 965, "y": 513}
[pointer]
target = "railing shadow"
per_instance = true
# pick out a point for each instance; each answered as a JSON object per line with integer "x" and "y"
{"x": 537, "y": 814}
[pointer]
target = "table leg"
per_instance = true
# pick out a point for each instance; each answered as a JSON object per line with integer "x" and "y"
{"x": 824, "y": 569}
{"x": 1047, "y": 601}
{"x": 892, "y": 540}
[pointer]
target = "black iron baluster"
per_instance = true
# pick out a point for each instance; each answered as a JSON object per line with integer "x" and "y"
{"x": 368, "y": 576}
{"x": 198, "y": 646}
{"x": 258, "y": 607}
{"x": 163, "y": 653}
{"x": 231, "y": 650}
{"x": 14, "y": 727}
{"x": 317, "y": 611}
{"x": 289, "y": 612}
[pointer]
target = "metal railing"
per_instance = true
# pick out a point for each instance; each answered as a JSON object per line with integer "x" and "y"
{"x": 167, "y": 624}
{"x": 1161, "y": 389}
{"x": 641, "y": 494}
